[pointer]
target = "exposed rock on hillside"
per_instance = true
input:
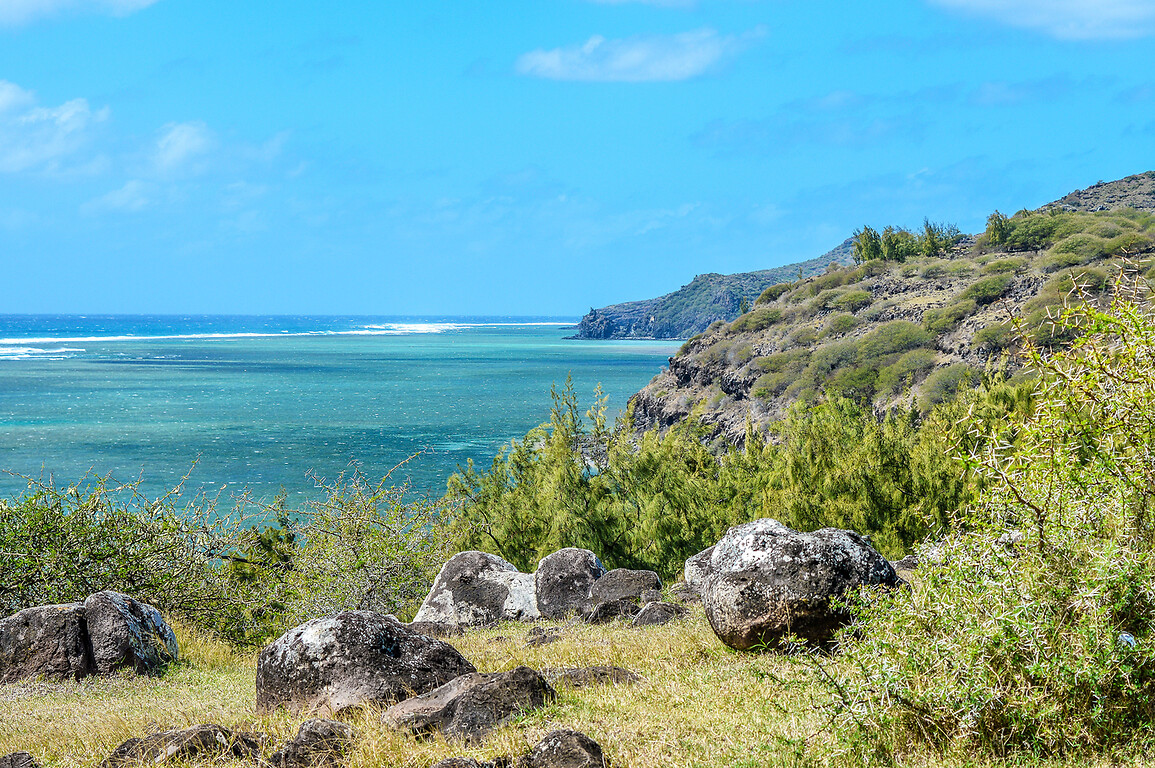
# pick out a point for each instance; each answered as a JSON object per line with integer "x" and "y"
{"x": 1136, "y": 192}
{"x": 704, "y": 300}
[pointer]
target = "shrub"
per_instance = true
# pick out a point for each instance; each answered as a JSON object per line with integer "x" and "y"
{"x": 902, "y": 373}
{"x": 933, "y": 271}
{"x": 803, "y": 336}
{"x": 988, "y": 289}
{"x": 852, "y": 301}
{"x": 1004, "y": 266}
{"x": 944, "y": 319}
{"x": 760, "y": 319}
{"x": 1085, "y": 247}
{"x": 893, "y": 337}
{"x": 994, "y": 338}
{"x": 942, "y": 385}
{"x": 1032, "y": 628}
{"x": 840, "y": 324}
{"x": 772, "y": 293}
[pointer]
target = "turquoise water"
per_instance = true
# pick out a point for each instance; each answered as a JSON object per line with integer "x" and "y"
{"x": 261, "y": 403}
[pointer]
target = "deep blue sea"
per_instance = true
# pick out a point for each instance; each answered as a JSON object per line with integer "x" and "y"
{"x": 262, "y": 402}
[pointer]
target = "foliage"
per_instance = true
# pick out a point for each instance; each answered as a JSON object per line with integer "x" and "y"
{"x": 987, "y": 289}
{"x": 1031, "y": 624}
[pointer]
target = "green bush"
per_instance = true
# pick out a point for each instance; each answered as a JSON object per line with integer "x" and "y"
{"x": 988, "y": 289}
{"x": 1030, "y": 629}
{"x": 945, "y": 383}
{"x": 890, "y": 338}
{"x": 1085, "y": 247}
{"x": 1004, "y": 266}
{"x": 772, "y": 293}
{"x": 760, "y": 319}
{"x": 852, "y": 301}
{"x": 901, "y": 374}
{"x": 945, "y": 318}
{"x": 994, "y": 338}
{"x": 803, "y": 336}
{"x": 840, "y": 324}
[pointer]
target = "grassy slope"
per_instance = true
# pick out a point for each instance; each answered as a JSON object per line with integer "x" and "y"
{"x": 700, "y": 704}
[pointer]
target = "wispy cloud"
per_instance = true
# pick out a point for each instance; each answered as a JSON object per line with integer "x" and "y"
{"x": 34, "y": 137}
{"x": 14, "y": 13}
{"x": 643, "y": 58}
{"x": 134, "y": 196}
{"x": 180, "y": 146}
{"x": 1067, "y": 19}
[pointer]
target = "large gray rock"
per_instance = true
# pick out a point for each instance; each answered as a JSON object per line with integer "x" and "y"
{"x": 470, "y": 706}
{"x": 198, "y": 741}
{"x": 318, "y": 744}
{"x": 479, "y": 588}
{"x": 47, "y": 641}
{"x": 697, "y": 568}
{"x": 18, "y": 760}
{"x": 564, "y": 749}
{"x": 623, "y": 584}
{"x": 353, "y": 658}
{"x": 564, "y": 580}
{"x": 768, "y": 581}
{"x": 126, "y": 633}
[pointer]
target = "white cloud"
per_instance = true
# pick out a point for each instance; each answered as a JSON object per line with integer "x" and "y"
{"x": 41, "y": 138}
{"x": 1067, "y": 19}
{"x": 644, "y": 58}
{"x": 180, "y": 145}
{"x": 14, "y": 13}
{"x": 134, "y": 196}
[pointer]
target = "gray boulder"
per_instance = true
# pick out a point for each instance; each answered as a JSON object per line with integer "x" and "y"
{"x": 353, "y": 658}
{"x": 768, "y": 581}
{"x": 48, "y": 641}
{"x": 697, "y": 568}
{"x": 127, "y": 633}
{"x": 604, "y": 613}
{"x": 564, "y": 749}
{"x": 318, "y": 744}
{"x": 622, "y": 583}
{"x": 198, "y": 741}
{"x": 470, "y": 706}
{"x": 684, "y": 593}
{"x": 564, "y": 580}
{"x": 657, "y": 613}
{"x": 18, "y": 760}
{"x": 479, "y": 588}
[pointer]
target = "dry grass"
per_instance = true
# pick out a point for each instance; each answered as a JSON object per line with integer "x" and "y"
{"x": 700, "y": 704}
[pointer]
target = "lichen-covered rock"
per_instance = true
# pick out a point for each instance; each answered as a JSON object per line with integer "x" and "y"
{"x": 623, "y": 583}
{"x": 697, "y": 568}
{"x": 353, "y": 658}
{"x": 125, "y": 632}
{"x": 564, "y": 580}
{"x": 657, "y": 613}
{"x": 198, "y": 741}
{"x": 564, "y": 749}
{"x": 479, "y": 588}
{"x": 768, "y": 581}
{"x": 18, "y": 760}
{"x": 318, "y": 744}
{"x": 46, "y": 641}
{"x": 604, "y": 613}
{"x": 470, "y": 706}
{"x": 684, "y": 593}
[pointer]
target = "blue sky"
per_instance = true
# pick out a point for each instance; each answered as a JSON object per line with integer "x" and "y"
{"x": 538, "y": 157}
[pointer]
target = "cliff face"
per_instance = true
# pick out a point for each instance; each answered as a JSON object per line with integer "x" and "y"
{"x": 910, "y": 332}
{"x": 693, "y": 307}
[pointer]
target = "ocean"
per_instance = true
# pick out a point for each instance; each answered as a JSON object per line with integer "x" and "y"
{"x": 270, "y": 403}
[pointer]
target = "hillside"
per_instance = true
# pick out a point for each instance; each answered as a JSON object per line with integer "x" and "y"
{"x": 693, "y": 307}
{"x": 906, "y": 330}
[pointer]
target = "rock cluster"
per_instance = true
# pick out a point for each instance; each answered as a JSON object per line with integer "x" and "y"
{"x": 108, "y": 632}
{"x": 559, "y": 749}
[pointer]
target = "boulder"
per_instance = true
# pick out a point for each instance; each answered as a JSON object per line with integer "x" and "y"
{"x": 656, "y": 613}
{"x": 353, "y": 658}
{"x": 697, "y": 568}
{"x": 479, "y": 588}
{"x": 18, "y": 760}
{"x": 564, "y": 749}
{"x": 684, "y": 593}
{"x": 318, "y": 744}
{"x": 47, "y": 641}
{"x": 580, "y": 677}
{"x": 564, "y": 580}
{"x": 470, "y": 706}
{"x": 604, "y": 613}
{"x": 198, "y": 741}
{"x": 127, "y": 633}
{"x": 767, "y": 581}
{"x": 622, "y": 584}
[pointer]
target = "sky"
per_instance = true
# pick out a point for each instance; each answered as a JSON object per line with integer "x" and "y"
{"x": 527, "y": 157}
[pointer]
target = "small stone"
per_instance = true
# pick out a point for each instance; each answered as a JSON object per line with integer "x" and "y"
{"x": 199, "y": 741}
{"x": 657, "y": 613}
{"x": 318, "y": 744}
{"x": 580, "y": 677}
{"x": 564, "y": 749}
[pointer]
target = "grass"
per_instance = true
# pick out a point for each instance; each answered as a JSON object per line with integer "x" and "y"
{"x": 699, "y": 704}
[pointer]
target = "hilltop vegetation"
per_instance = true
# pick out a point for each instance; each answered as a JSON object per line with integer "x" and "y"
{"x": 916, "y": 319}
{"x": 693, "y": 307}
